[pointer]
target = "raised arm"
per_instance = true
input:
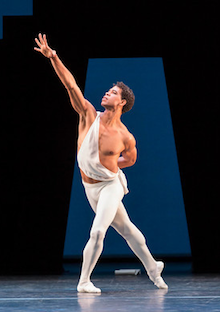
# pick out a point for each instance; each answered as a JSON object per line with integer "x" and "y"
{"x": 76, "y": 97}
{"x": 129, "y": 155}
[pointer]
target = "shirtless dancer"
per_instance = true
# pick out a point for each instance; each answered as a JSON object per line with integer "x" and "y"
{"x": 105, "y": 146}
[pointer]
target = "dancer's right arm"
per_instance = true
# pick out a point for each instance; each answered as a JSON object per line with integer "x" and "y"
{"x": 79, "y": 103}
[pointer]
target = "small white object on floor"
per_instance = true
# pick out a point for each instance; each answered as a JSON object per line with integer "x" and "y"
{"x": 128, "y": 272}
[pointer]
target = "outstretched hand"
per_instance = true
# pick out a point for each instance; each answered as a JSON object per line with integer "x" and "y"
{"x": 43, "y": 46}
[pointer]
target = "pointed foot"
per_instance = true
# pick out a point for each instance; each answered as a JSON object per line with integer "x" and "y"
{"x": 155, "y": 276}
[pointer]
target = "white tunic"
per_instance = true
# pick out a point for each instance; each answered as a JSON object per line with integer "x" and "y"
{"x": 88, "y": 158}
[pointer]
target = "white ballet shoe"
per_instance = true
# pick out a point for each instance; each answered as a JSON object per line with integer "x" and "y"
{"x": 155, "y": 276}
{"x": 88, "y": 288}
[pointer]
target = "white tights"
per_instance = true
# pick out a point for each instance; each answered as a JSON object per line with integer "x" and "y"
{"x": 105, "y": 199}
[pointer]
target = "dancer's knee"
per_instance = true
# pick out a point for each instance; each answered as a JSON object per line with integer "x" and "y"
{"x": 97, "y": 236}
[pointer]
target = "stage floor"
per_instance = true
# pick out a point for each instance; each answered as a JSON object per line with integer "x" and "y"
{"x": 187, "y": 292}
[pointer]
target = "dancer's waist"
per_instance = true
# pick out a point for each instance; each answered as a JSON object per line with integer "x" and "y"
{"x": 120, "y": 175}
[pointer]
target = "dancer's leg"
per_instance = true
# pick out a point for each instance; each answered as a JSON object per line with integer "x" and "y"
{"x": 137, "y": 243}
{"x": 107, "y": 205}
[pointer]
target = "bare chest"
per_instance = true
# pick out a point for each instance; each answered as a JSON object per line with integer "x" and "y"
{"x": 110, "y": 141}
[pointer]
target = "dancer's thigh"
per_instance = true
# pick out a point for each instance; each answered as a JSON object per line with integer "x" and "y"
{"x": 92, "y": 195}
{"x": 107, "y": 206}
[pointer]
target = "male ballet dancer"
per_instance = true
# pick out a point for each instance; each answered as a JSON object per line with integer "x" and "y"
{"x": 105, "y": 146}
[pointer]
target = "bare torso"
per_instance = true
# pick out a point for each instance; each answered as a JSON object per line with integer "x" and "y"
{"x": 112, "y": 138}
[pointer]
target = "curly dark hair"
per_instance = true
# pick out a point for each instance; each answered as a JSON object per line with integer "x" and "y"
{"x": 126, "y": 94}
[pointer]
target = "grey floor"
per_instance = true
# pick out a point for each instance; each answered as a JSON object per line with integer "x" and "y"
{"x": 187, "y": 292}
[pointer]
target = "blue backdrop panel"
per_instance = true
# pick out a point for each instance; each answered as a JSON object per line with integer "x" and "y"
{"x": 155, "y": 202}
{"x": 13, "y": 8}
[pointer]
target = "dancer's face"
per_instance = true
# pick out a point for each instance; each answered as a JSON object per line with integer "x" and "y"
{"x": 112, "y": 98}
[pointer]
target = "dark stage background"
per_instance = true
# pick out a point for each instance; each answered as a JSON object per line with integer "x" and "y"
{"x": 38, "y": 125}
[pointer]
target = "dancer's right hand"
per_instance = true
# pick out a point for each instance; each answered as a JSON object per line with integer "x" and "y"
{"x": 43, "y": 46}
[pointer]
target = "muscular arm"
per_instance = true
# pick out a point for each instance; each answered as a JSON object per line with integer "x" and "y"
{"x": 129, "y": 155}
{"x": 76, "y": 97}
